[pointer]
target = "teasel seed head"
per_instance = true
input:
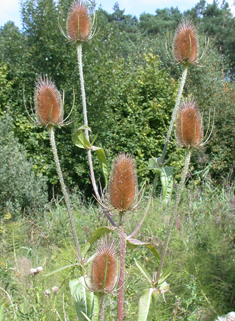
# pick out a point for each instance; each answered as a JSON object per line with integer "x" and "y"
{"x": 48, "y": 103}
{"x": 104, "y": 268}
{"x": 189, "y": 128}
{"x": 78, "y": 22}
{"x": 185, "y": 45}
{"x": 123, "y": 187}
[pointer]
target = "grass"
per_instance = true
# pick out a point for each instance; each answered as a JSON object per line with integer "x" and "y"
{"x": 200, "y": 257}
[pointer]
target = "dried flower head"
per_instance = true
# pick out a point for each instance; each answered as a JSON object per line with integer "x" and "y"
{"x": 122, "y": 187}
{"x": 47, "y": 292}
{"x": 55, "y": 289}
{"x": 189, "y": 128}
{"x": 185, "y": 45}
{"x": 48, "y": 103}
{"x": 78, "y": 22}
{"x": 103, "y": 273}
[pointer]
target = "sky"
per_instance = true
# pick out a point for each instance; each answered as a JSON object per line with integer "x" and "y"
{"x": 10, "y": 9}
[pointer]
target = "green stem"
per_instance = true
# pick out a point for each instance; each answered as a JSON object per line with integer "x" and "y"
{"x": 174, "y": 114}
{"x": 79, "y": 53}
{"x": 102, "y": 306}
{"x": 66, "y": 196}
{"x": 122, "y": 237}
{"x": 146, "y": 210}
{"x": 93, "y": 181}
{"x": 178, "y": 197}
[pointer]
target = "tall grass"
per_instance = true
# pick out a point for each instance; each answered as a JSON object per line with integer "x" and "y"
{"x": 200, "y": 257}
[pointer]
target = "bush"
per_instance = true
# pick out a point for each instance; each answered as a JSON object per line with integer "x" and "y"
{"x": 21, "y": 190}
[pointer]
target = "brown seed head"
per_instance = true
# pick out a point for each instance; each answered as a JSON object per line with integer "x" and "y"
{"x": 78, "y": 22}
{"x": 185, "y": 46}
{"x": 189, "y": 128}
{"x": 103, "y": 274}
{"x": 48, "y": 103}
{"x": 122, "y": 187}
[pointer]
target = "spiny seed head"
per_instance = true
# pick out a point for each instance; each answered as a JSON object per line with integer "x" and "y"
{"x": 48, "y": 103}
{"x": 185, "y": 46}
{"x": 103, "y": 273}
{"x": 189, "y": 128}
{"x": 122, "y": 187}
{"x": 78, "y": 22}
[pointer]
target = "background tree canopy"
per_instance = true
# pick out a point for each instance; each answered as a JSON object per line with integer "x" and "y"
{"x": 130, "y": 81}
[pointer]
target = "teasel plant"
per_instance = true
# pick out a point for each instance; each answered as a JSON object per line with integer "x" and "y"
{"x": 190, "y": 136}
{"x": 122, "y": 193}
{"x": 122, "y": 189}
{"x": 81, "y": 27}
{"x": 186, "y": 53}
{"x": 49, "y": 112}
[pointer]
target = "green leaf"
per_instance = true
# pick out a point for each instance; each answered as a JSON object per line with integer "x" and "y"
{"x": 167, "y": 181}
{"x": 93, "y": 141}
{"x": 96, "y": 308}
{"x": 85, "y": 316}
{"x": 133, "y": 244}
{"x": 143, "y": 271}
{"x": 84, "y": 299}
{"x": 164, "y": 287}
{"x": 153, "y": 163}
{"x": 147, "y": 304}
{"x": 80, "y": 140}
{"x": 166, "y": 177}
{"x": 103, "y": 164}
{"x": 164, "y": 275}
{"x": 62, "y": 268}
{"x": 101, "y": 231}
{"x": 153, "y": 249}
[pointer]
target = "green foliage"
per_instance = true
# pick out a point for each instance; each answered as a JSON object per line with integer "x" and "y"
{"x": 147, "y": 304}
{"x": 86, "y": 302}
{"x": 129, "y": 97}
{"x": 21, "y": 190}
{"x": 199, "y": 258}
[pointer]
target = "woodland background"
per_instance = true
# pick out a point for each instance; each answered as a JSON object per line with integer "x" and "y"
{"x": 131, "y": 86}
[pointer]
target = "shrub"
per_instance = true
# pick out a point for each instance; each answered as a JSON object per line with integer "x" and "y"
{"x": 21, "y": 190}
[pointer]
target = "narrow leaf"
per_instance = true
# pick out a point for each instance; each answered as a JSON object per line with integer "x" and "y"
{"x": 153, "y": 249}
{"x": 133, "y": 244}
{"x": 143, "y": 271}
{"x": 80, "y": 140}
{"x": 103, "y": 164}
{"x": 62, "y": 268}
{"x": 101, "y": 231}
{"x": 166, "y": 176}
{"x": 85, "y": 316}
{"x": 167, "y": 181}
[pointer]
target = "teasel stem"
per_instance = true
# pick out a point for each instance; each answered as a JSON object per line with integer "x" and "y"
{"x": 122, "y": 237}
{"x": 93, "y": 181}
{"x": 178, "y": 197}
{"x": 66, "y": 196}
{"x": 175, "y": 111}
{"x": 146, "y": 210}
{"x": 102, "y": 306}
